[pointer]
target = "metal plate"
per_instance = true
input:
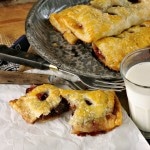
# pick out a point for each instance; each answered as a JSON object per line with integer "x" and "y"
{"x": 51, "y": 45}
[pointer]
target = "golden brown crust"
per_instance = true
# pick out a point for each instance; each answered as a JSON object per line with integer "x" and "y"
{"x": 32, "y": 106}
{"x": 93, "y": 111}
{"x": 57, "y": 21}
{"x": 114, "y": 49}
{"x": 89, "y": 24}
{"x": 105, "y": 4}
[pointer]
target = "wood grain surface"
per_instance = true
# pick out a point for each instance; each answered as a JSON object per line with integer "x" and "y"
{"x": 12, "y": 22}
{"x": 14, "y": 2}
{"x": 15, "y": 77}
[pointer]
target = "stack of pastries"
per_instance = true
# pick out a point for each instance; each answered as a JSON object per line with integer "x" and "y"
{"x": 113, "y": 27}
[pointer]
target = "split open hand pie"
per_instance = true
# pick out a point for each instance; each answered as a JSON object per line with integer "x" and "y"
{"x": 93, "y": 111}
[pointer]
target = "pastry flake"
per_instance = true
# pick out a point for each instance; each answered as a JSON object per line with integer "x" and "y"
{"x": 93, "y": 111}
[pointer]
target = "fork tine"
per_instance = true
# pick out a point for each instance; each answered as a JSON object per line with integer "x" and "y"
{"x": 75, "y": 86}
{"x": 113, "y": 81}
{"x": 81, "y": 86}
{"x": 107, "y": 86}
{"x": 94, "y": 83}
{"x": 104, "y": 87}
{"x": 109, "y": 82}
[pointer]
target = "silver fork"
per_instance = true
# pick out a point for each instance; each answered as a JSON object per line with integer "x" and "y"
{"x": 93, "y": 84}
{"x": 35, "y": 61}
{"x": 81, "y": 86}
{"x": 83, "y": 82}
{"x": 76, "y": 86}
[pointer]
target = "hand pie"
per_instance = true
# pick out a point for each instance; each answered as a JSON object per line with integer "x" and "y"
{"x": 93, "y": 111}
{"x": 40, "y": 103}
{"x": 111, "y": 50}
{"x": 90, "y": 24}
{"x": 105, "y": 4}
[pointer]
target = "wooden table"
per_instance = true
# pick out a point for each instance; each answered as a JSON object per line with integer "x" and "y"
{"x": 12, "y": 22}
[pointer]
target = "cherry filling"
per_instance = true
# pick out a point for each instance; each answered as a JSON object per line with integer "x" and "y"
{"x": 62, "y": 107}
{"x": 79, "y": 26}
{"x": 88, "y": 102}
{"x": 30, "y": 88}
{"x": 135, "y": 1}
{"x": 42, "y": 96}
{"x": 98, "y": 54}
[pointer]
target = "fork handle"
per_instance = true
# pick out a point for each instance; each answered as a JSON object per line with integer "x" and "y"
{"x": 32, "y": 60}
{"x": 23, "y": 58}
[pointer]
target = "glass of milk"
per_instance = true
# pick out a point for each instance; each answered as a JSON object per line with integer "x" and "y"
{"x": 135, "y": 70}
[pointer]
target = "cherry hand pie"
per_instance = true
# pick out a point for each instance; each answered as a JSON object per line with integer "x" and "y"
{"x": 93, "y": 111}
{"x": 111, "y": 50}
{"x": 89, "y": 24}
{"x": 113, "y": 27}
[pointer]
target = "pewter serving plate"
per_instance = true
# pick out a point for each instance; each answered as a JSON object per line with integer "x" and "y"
{"x": 51, "y": 45}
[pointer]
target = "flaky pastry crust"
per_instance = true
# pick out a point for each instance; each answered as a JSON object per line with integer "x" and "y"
{"x": 32, "y": 106}
{"x": 111, "y": 50}
{"x": 105, "y": 4}
{"x": 93, "y": 111}
{"x": 90, "y": 24}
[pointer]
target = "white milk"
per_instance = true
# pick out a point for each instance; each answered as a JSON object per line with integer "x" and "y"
{"x": 139, "y": 97}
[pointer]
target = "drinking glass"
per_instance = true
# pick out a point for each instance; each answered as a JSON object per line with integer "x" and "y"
{"x": 135, "y": 70}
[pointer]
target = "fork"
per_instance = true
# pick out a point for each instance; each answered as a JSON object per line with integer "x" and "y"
{"x": 83, "y": 82}
{"x": 94, "y": 83}
{"x": 35, "y": 61}
{"x": 82, "y": 86}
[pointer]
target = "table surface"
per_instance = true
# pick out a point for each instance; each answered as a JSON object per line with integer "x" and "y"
{"x": 12, "y": 26}
{"x": 12, "y": 22}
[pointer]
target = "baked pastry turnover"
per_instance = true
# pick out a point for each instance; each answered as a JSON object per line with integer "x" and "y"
{"x": 111, "y": 50}
{"x": 90, "y": 24}
{"x": 93, "y": 111}
{"x": 39, "y": 102}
